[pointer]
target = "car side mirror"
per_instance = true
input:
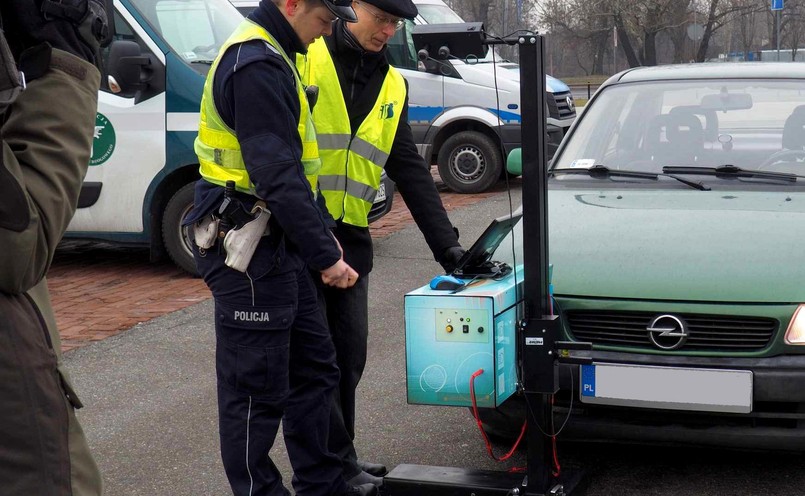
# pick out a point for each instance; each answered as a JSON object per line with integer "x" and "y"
{"x": 514, "y": 162}
{"x": 127, "y": 68}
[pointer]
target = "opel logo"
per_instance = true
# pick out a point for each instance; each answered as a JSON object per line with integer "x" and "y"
{"x": 668, "y": 332}
{"x": 570, "y": 104}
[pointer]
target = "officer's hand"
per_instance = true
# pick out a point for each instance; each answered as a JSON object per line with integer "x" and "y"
{"x": 339, "y": 275}
{"x": 450, "y": 258}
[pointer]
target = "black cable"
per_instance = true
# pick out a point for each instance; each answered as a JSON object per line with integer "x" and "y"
{"x": 517, "y": 292}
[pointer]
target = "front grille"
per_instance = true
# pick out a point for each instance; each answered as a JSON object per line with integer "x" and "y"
{"x": 558, "y": 107}
{"x": 706, "y": 332}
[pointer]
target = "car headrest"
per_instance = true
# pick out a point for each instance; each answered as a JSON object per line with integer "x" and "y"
{"x": 709, "y": 116}
{"x": 681, "y": 130}
{"x": 794, "y": 130}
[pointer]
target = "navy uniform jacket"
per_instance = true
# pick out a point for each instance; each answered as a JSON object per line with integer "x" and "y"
{"x": 255, "y": 95}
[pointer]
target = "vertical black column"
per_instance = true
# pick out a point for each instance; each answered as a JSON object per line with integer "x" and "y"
{"x": 535, "y": 189}
{"x": 537, "y": 336}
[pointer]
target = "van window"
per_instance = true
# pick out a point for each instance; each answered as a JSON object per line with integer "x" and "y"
{"x": 438, "y": 14}
{"x": 400, "y": 50}
{"x": 195, "y": 29}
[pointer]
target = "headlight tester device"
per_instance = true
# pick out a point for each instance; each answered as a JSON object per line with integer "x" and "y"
{"x": 479, "y": 335}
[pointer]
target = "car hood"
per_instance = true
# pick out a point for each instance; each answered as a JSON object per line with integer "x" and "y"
{"x": 484, "y": 73}
{"x": 678, "y": 245}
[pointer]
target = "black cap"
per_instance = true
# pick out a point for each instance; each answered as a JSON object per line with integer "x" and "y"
{"x": 399, "y": 8}
{"x": 342, "y": 9}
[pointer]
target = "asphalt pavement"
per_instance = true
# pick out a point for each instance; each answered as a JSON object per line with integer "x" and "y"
{"x": 151, "y": 418}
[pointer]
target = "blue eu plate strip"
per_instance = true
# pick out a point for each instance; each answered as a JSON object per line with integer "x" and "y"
{"x": 588, "y": 380}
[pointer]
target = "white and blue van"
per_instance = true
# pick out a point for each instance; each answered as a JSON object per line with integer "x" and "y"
{"x": 454, "y": 116}
{"x": 143, "y": 168}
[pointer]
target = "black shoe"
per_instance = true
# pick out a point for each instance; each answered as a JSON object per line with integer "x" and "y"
{"x": 365, "y": 478}
{"x": 375, "y": 469}
{"x": 362, "y": 490}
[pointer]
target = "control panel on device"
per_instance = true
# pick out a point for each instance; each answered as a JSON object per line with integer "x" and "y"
{"x": 462, "y": 325}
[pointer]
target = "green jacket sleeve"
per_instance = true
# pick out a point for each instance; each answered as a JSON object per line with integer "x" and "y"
{"x": 47, "y": 143}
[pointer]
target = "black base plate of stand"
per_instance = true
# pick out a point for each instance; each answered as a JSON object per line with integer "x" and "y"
{"x": 425, "y": 480}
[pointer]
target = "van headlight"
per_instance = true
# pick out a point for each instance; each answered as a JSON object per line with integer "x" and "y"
{"x": 796, "y": 329}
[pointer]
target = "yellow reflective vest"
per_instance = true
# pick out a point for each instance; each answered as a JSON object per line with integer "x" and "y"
{"x": 217, "y": 145}
{"x": 351, "y": 165}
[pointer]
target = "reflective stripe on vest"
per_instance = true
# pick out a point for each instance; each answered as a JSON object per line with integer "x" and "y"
{"x": 217, "y": 145}
{"x": 351, "y": 165}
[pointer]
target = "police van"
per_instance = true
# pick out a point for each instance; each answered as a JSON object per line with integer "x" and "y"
{"x": 141, "y": 176}
{"x": 461, "y": 116}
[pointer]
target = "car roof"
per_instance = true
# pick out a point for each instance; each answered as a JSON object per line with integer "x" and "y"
{"x": 714, "y": 70}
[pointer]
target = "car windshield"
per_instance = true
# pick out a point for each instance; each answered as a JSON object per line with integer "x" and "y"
{"x": 194, "y": 29}
{"x": 754, "y": 125}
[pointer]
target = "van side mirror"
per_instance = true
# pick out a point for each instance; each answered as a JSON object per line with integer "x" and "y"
{"x": 127, "y": 68}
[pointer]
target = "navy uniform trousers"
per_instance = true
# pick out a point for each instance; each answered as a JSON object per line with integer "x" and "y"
{"x": 275, "y": 361}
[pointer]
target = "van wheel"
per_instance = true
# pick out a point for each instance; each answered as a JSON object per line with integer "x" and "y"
{"x": 470, "y": 162}
{"x": 177, "y": 238}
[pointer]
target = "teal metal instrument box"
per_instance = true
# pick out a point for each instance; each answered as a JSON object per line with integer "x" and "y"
{"x": 449, "y": 336}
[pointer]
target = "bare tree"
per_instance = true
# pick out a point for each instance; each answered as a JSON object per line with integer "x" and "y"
{"x": 746, "y": 21}
{"x": 585, "y": 25}
{"x": 792, "y": 25}
{"x": 717, "y": 13}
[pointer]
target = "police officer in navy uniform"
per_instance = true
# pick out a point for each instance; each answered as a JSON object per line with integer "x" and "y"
{"x": 362, "y": 124}
{"x": 51, "y": 55}
{"x": 258, "y": 233}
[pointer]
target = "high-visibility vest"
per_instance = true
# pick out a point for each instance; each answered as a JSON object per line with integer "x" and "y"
{"x": 217, "y": 145}
{"x": 351, "y": 165}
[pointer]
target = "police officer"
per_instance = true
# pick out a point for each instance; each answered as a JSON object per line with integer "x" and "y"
{"x": 258, "y": 230}
{"x": 48, "y": 53}
{"x": 362, "y": 124}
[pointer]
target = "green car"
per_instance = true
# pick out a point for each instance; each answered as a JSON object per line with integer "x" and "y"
{"x": 677, "y": 239}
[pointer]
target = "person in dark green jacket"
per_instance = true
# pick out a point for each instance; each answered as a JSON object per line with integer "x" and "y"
{"x": 48, "y": 53}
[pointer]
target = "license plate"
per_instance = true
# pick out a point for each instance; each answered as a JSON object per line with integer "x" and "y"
{"x": 381, "y": 193}
{"x": 670, "y": 388}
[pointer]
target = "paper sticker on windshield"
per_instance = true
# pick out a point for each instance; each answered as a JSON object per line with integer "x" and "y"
{"x": 582, "y": 163}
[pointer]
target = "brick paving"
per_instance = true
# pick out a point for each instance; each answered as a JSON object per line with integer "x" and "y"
{"x": 100, "y": 290}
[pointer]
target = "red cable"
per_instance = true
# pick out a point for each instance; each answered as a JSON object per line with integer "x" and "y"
{"x": 557, "y": 469}
{"x": 481, "y": 427}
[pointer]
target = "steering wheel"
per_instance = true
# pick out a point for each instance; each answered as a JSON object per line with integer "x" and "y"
{"x": 782, "y": 155}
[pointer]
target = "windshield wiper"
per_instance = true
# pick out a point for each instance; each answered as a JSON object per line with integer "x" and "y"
{"x": 731, "y": 172}
{"x": 205, "y": 62}
{"x": 599, "y": 171}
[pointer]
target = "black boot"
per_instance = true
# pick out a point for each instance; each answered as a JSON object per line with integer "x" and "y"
{"x": 362, "y": 490}
{"x": 375, "y": 469}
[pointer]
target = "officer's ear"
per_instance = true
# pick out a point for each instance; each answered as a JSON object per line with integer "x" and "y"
{"x": 292, "y": 7}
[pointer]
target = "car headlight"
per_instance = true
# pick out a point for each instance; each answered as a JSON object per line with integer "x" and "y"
{"x": 796, "y": 329}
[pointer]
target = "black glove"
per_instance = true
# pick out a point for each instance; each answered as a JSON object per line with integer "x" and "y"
{"x": 450, "y": 257}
